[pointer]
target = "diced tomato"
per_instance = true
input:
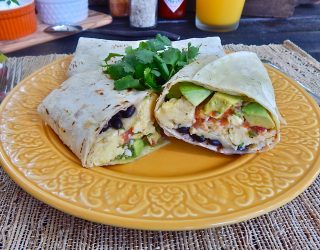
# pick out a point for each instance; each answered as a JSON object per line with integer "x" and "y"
{"x": 198, "y": 123}
{"x": 198, "y": 112}
{"x": 258, "y": 129}
{"x": 212, "y": 120}
{"x": 127, "y": 135}
{"x": 214, "y": 114}
{"x": 224, "y": 121}
{"x": 246, "y": 124}
{"x": 198, "y": 116}
{"x": 227, "y": 113}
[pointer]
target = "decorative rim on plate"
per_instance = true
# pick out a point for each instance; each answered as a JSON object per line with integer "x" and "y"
{"x": 250, "y": 186}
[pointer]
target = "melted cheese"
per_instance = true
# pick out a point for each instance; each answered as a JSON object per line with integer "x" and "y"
{"x": 107, "y": 148}
{"x": 176, "y": 113}
{"x": 145, "y": 119}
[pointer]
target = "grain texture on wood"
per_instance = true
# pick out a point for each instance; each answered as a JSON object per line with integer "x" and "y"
{"x": 270, "y": 8}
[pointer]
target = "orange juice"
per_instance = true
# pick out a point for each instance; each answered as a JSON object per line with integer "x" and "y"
{"x": 219, "y": 13}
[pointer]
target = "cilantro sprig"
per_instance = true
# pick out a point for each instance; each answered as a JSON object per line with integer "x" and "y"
{"x": 149, "y": 66}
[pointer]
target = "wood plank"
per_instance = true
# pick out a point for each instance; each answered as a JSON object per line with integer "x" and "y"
{"x": 270, "y": 8}
{"x": 94, "y": 20}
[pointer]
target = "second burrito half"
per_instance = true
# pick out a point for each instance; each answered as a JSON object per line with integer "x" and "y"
{"x": 224, "y": 104}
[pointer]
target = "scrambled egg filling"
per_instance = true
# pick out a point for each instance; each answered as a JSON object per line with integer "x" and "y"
{"x": 113, "y": 143}
{"x": 232, "y": 132}
{"x": 176, "y": 113}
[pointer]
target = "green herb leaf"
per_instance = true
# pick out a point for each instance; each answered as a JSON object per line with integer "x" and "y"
{"x": 171, "y": 56}
{"x": 149, "y": 80}
{"x": 150, "y": 65}
{"x": 159, "y": 43}
{"x": 129, "y": 50}
{"x": 155, "y": 72}
{"x": 181, "y": 64}
{"x": 144, "y": 56}
{"x": 119, "y": 70}
{"x": 139, "y": 70}
{"x": 111, "y": 55}
{"x": 192, "y": 52}
{"x": 163, "y": 68}
{"x": 128, "y": 82}
{"x": 165, "y": 40}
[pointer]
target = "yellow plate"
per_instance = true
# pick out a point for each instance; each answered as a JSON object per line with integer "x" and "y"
{"x": 178, "y": 187}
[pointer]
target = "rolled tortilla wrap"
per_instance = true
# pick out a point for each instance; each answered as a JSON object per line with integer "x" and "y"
{"x": 81, "y": 109}
{"x": 238, "y": 114}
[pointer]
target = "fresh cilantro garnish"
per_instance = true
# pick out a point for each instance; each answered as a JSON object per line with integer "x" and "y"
{"x": 149, "y": 66}
{"x": 128, "y": 82}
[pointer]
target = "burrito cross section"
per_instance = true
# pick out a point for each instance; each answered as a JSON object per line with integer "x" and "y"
{"x": 100, "y": 125}
{"x": 128, "y": 140}
{"x": 226, "y": 105}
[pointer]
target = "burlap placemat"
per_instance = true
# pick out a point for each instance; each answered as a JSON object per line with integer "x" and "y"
{"x": 26, "y": 223}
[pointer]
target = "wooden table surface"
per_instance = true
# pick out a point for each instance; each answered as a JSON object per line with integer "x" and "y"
{"x": 303, "y": 29}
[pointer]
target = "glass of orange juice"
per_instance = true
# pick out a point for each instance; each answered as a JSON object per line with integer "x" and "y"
{"x": 218, "y": 15}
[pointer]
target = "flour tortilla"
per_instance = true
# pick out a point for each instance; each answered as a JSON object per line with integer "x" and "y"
{"x": 239, "y": 73}
{"x": 91, "y": 52}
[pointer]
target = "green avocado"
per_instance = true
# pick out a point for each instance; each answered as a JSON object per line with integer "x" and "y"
{"x": 174, "y": 92}
{"x": 193, "y": 93}
{"x": 220, "y": 103}
{"x": 256, "y": 115}
{"x": 137, "y": 147}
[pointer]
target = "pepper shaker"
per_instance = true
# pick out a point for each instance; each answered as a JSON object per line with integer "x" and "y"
{"x": 143, "y": 14}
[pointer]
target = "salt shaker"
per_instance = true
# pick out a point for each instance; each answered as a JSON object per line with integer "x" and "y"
{"x": 143, "y": 14}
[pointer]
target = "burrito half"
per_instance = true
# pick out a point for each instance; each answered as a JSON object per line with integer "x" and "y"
{"x": 226, "y": 105}
{"x": 100, "y": 125}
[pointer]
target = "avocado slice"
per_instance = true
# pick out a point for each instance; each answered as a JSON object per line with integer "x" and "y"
{"x": 193, "y": 93}
{"x": 174, "y": 92}
{"x": 256, "y": 115}
{"x": 137, "y": 147}
{"x": 221, "y": 102}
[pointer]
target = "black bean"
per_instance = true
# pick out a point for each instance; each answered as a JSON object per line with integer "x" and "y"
{"x": 105, "y": 128}
{"x": 214, "y": 142}
{"x": 128, "y": 113}
{"x": 198, "y": 138}
{"x": 183, "y": 130}
{"x": 116, "y": 122}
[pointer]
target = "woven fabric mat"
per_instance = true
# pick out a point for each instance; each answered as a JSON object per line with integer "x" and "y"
{"x": 26, "y": 223}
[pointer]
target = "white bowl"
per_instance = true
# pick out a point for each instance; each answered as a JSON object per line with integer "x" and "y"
{"x": 62, "y": 11}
